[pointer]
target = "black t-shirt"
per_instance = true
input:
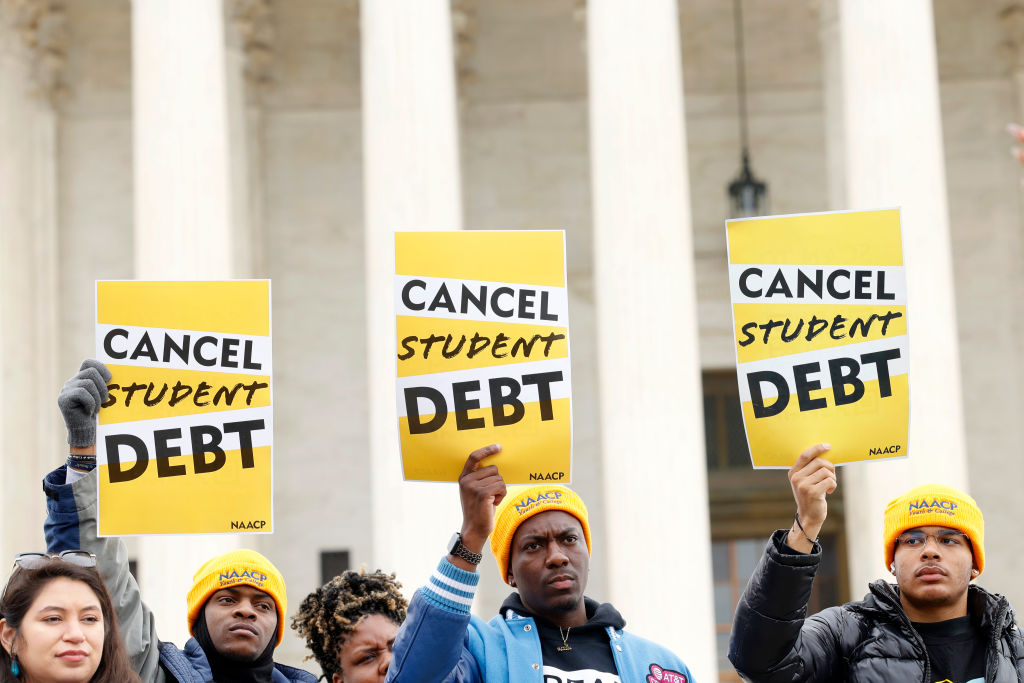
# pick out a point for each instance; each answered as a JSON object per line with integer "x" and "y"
{"x": 956, "y": 648}
{"x": 588, "y": 658}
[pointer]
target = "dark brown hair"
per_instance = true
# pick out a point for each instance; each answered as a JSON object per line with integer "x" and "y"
{"x": 332, "y": 612}
{"x": 24, "y": 587}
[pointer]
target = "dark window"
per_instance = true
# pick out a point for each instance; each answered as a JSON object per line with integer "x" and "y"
{"x": 332, "y": 563}
{"x": 733, "y": 561}
{"x": 723, "y": 423}
{"x": 745, "y": 506}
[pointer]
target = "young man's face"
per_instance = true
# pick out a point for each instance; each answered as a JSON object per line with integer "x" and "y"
{"x": 242, "y": 620}
{"x": 549, "y": 564}
{"x": 933, "y": 569}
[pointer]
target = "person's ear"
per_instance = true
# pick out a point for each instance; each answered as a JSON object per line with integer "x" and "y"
{"x": 974, "y": 572}
{"x": 892, "y": 568}
{"x": 7, "y": 636}
{"x": 336, "y": 678}
{"x": 510, "y": 579}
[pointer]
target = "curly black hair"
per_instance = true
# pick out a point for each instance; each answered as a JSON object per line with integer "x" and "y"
{"x": 330, "y": 613}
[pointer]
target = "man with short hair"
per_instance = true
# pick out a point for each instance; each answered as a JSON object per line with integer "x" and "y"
{"x": 237, "y": 603}
{"x": 933, "y": 625}
{"x": 548, "y": 630}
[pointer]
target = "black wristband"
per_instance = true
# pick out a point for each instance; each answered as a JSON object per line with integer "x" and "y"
{"x": 796, "y": 518}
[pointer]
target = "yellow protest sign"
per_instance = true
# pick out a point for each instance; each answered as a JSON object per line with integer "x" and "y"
{"x": 820, "y": 320}
{"x": 483, "y": 353}
{"x": 184, "y": 441}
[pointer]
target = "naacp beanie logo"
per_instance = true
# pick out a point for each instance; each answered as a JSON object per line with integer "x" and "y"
{"x": 940, "y": 506}
{"x": 531, "y": 502}
{"x": 246, "y": 576}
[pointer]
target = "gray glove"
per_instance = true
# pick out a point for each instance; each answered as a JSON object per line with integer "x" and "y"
{"x": 80, "y": 399}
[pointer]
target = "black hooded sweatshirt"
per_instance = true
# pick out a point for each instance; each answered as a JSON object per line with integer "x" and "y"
{"x": 590, "y": 658}
{"x": 227, "y": 670}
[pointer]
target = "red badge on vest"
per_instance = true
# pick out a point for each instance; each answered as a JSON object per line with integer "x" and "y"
{"x": 659, "y": 675}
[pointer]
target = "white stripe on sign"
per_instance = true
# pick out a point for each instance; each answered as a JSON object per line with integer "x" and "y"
{"x": 863, "y": 354}
{"x": 810, "y": 284}
{"x": 232, "y": 426}
{"x": 435, "y": 297}
{"x": 157, "y": 347}
{"x": 523, "y": 382}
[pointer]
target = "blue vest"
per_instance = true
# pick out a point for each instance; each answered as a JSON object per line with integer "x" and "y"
{"x": 191, "y": 666}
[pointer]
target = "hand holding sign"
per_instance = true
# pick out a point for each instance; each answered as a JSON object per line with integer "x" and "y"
{"x": 812, "y": 477}
{"x": 79, "y": 401}
{"x": 481, "y": 489}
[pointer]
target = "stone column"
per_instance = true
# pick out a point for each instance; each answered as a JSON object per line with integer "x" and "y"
{"x": 657, "y": 534}
{"x": 411, "y": 182}
{"x": 995, "y": 426}
{"x": 31, "y": 72}
{"x": 250, "y": 58}
{"x": 1012, "y": 50}
{"x": 886, "y": 97}
{"x": 183, "y": 217}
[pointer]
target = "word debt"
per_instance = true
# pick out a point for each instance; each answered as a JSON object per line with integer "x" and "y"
{"x": 206, "y": 441}
{"x": 502, "y": 301}
{"x": 841, "y": 283}
{"x": 207, "y": 350}
{"x": 847, "y": 387}
{"x": 504, "y": 393}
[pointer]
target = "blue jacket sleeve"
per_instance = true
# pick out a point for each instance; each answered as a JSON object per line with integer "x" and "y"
{"x": 432, "y": 643}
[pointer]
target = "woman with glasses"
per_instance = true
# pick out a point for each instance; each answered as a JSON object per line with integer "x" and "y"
{"x": 350, "y": 624}
{"x": 57, "y": 623}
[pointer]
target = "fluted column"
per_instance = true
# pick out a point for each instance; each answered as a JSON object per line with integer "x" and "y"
{"x": 411, "y": 182}
{"x": 652, "y": 427}
{"x": 31, "y": 83}
{"x": 885, "y": 91}
{"x": 183, "y": 217}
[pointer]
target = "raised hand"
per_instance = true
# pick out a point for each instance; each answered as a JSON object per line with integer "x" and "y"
{"x": 80, "y": 399}
{"x": 481, "y": 489}
{"x": 811, "y": 477}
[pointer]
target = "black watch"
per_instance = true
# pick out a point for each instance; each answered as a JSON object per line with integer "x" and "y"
{"x": 456, "y": 548}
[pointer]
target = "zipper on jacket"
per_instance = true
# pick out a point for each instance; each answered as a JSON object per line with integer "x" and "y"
{"x": 891, "y": 595}
{"x": 992, "y": 656}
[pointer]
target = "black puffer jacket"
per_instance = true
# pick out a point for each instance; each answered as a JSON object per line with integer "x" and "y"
{"x": 871, "y": 640}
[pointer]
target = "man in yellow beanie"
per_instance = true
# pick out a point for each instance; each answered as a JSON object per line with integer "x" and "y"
{"x": 547, "y": 630}
{"x": 237, "y": 602}
{"x": 933, "y": 625}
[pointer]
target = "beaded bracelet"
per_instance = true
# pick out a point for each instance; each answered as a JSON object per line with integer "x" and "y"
{"x": 81, "y": 462}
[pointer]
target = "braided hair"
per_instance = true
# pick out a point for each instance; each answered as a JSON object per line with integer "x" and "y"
{"x": 329, "y": 614}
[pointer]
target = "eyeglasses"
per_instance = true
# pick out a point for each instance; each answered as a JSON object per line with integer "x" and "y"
{"x": 950, "y": 538}
{"x": 81, "y": 558}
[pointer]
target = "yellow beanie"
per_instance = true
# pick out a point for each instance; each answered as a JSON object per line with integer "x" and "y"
{"x": 237, "y": 568}
{"x": 935, "y": 505}
{"x": 521, "y": 504}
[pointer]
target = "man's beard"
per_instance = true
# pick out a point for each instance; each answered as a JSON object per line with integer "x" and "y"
{"x": 567, "y": 604}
